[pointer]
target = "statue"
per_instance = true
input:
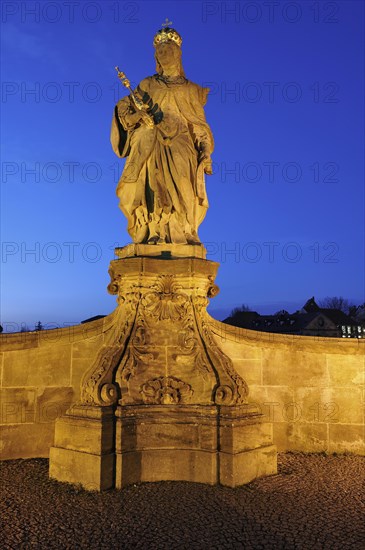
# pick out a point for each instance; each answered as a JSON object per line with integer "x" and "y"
{"x": 161, "y": 400}
{"x": 161, "y": 129}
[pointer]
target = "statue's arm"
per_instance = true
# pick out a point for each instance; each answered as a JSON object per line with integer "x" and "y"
{"x": 203, "y": 137}
{"x": 129, "y": 115}
{"x": 204, "y": 144}
{"x": 125, "y": 120}
{"x": 205, "y": 148}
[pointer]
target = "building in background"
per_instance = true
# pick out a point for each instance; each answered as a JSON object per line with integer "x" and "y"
{"x": 311, "y": 320}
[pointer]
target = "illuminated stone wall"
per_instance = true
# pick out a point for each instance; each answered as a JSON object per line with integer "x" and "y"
{"x": 311, "y": 389}
{"x": 40, "y": 378}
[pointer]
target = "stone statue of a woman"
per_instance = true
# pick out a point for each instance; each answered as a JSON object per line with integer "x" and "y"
{"x": 168, "y": 147}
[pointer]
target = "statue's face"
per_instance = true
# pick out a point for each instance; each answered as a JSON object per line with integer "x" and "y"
{"x": 167, "y": 54}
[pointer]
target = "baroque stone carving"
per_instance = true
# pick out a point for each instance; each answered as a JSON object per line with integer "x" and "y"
{"x": 97, "y": 387}
{"x": 166, "y": 390}
{"x": 166, "y": 301}
{"x": 161, "y": 333}
{"x": 231, "y": 389}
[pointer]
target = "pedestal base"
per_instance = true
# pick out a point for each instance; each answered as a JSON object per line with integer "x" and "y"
{"x": 246, "y": 451}
{"x": 83, "y": 450}
{"x": 201, "y": 444}
{"x": 161, "y": 400}
{"x": 204, "y": 444}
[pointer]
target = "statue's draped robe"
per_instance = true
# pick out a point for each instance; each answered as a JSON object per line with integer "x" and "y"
{"x": 162, "y": 190}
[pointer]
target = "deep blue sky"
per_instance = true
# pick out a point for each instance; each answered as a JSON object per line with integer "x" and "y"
{"x": 286, "y": 109}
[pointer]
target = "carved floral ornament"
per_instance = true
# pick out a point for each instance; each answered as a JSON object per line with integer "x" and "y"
{"x": 213, "y": 289}
{"x": 166, "y": 301}
{"x": 166, "y": 390}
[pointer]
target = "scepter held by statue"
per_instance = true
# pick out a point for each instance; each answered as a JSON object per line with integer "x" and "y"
{"x": 140, "y": 106}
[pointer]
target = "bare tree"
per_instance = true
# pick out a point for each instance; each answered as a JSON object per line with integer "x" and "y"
{"x": 336, "y": 302}
{"x": 357, "y": 312}
{"x": 240, "y": 309}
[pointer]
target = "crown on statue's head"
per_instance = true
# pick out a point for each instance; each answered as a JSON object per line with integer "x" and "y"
{"x": 167, "y": 33}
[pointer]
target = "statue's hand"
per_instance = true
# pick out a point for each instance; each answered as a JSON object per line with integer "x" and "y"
{"x": 140, "y": 117}
{"x": 205, "y": 160}
{"x": 208, "y": 168}
{"x": 146, "y": 119}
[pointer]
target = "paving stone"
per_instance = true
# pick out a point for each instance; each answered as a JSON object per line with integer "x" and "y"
{"x": 314, "y": 502}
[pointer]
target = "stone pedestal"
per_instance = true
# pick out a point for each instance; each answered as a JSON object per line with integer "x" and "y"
{"x": 245, "y": 446}
{"x": 84, "y": 446}
{"x": 203, "y": 444}
{"x": 174, "y": 399}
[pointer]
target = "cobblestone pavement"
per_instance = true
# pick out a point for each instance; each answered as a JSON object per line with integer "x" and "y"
{"x": 314, "y": 502}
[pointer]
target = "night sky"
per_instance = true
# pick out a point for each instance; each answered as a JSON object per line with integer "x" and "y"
{"x": 286, "y": 216}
